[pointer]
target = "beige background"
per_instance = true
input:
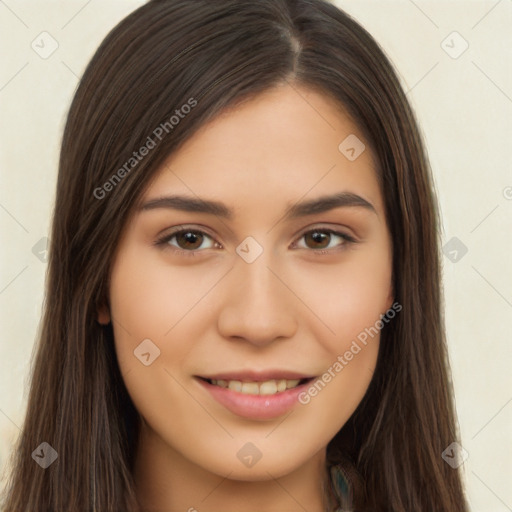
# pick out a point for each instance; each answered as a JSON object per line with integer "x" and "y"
{"x": 464, "y": 105}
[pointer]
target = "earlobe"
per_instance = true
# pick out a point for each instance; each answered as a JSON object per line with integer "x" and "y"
{"x": 103, "y": 316}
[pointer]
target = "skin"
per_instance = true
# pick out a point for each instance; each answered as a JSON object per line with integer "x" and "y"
{"x": 292, "y": 308}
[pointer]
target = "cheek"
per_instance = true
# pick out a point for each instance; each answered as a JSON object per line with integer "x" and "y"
{"x": 331, "y": 399}
{"x": 145, "y": 306}
{"x": 350, "y": 304}
{"x": 153, "y": 301}
{"x": 148, "y": 299}
{"x": 347, "y": 298}
{"x": 140, "y": 311}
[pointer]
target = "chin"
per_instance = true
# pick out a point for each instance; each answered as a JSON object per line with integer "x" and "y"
{"x": 262, "y": 467}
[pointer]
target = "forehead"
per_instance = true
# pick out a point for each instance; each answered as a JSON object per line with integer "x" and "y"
{"x": 285, "y": 144}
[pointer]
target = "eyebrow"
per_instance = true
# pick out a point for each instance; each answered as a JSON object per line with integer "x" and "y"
{"x": 302, "y": 209}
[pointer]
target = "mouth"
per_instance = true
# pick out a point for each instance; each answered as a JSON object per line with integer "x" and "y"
{"x": 267, "y": 387}
{"x": 256, "y": 396}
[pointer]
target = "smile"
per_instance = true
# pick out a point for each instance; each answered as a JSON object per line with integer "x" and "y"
{"x": 268, "y": 387}
{"x": 256, "y": 396}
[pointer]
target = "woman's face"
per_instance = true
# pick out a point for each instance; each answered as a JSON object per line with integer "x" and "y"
{"x": 283, "y": 260}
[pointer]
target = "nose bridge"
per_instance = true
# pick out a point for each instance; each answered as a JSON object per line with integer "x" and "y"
{"x": 257, "y": 306}
{"x": 261, "y": 286}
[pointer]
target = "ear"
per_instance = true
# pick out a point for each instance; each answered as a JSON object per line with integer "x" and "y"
{"x": 103, "y": 315}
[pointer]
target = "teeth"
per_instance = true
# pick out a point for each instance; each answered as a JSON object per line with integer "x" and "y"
{"x": 269, "y": 387}
{"x": 250, "y": 388}
{"x": 234, "y": 385}
{"x": 292, "y": 383}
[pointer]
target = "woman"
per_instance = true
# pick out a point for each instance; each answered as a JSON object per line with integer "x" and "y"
{"x": 243, "y": 307}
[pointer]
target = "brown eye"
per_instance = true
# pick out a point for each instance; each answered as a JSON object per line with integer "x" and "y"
{"x": 189, "y": 239}
{"x": 318, "y": 239}
{"x": 325, "y": 239}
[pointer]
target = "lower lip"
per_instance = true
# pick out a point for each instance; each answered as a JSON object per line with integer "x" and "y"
{"x": 255, "y": 407}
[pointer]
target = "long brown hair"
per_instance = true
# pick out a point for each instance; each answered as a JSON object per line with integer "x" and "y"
{"x": 217, "y": 53}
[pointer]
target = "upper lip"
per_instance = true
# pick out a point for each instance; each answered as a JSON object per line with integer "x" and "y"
{"x": 257, "y": 376}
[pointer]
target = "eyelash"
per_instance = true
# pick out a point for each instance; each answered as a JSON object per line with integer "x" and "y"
{"x": 164, "y": 240}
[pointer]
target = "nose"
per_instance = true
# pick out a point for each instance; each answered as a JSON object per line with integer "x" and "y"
{"x": 257, "y": 305}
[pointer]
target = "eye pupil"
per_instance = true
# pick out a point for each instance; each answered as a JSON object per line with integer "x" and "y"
{"x": 190, "y": 238}
{"x": 318, "y": 238}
